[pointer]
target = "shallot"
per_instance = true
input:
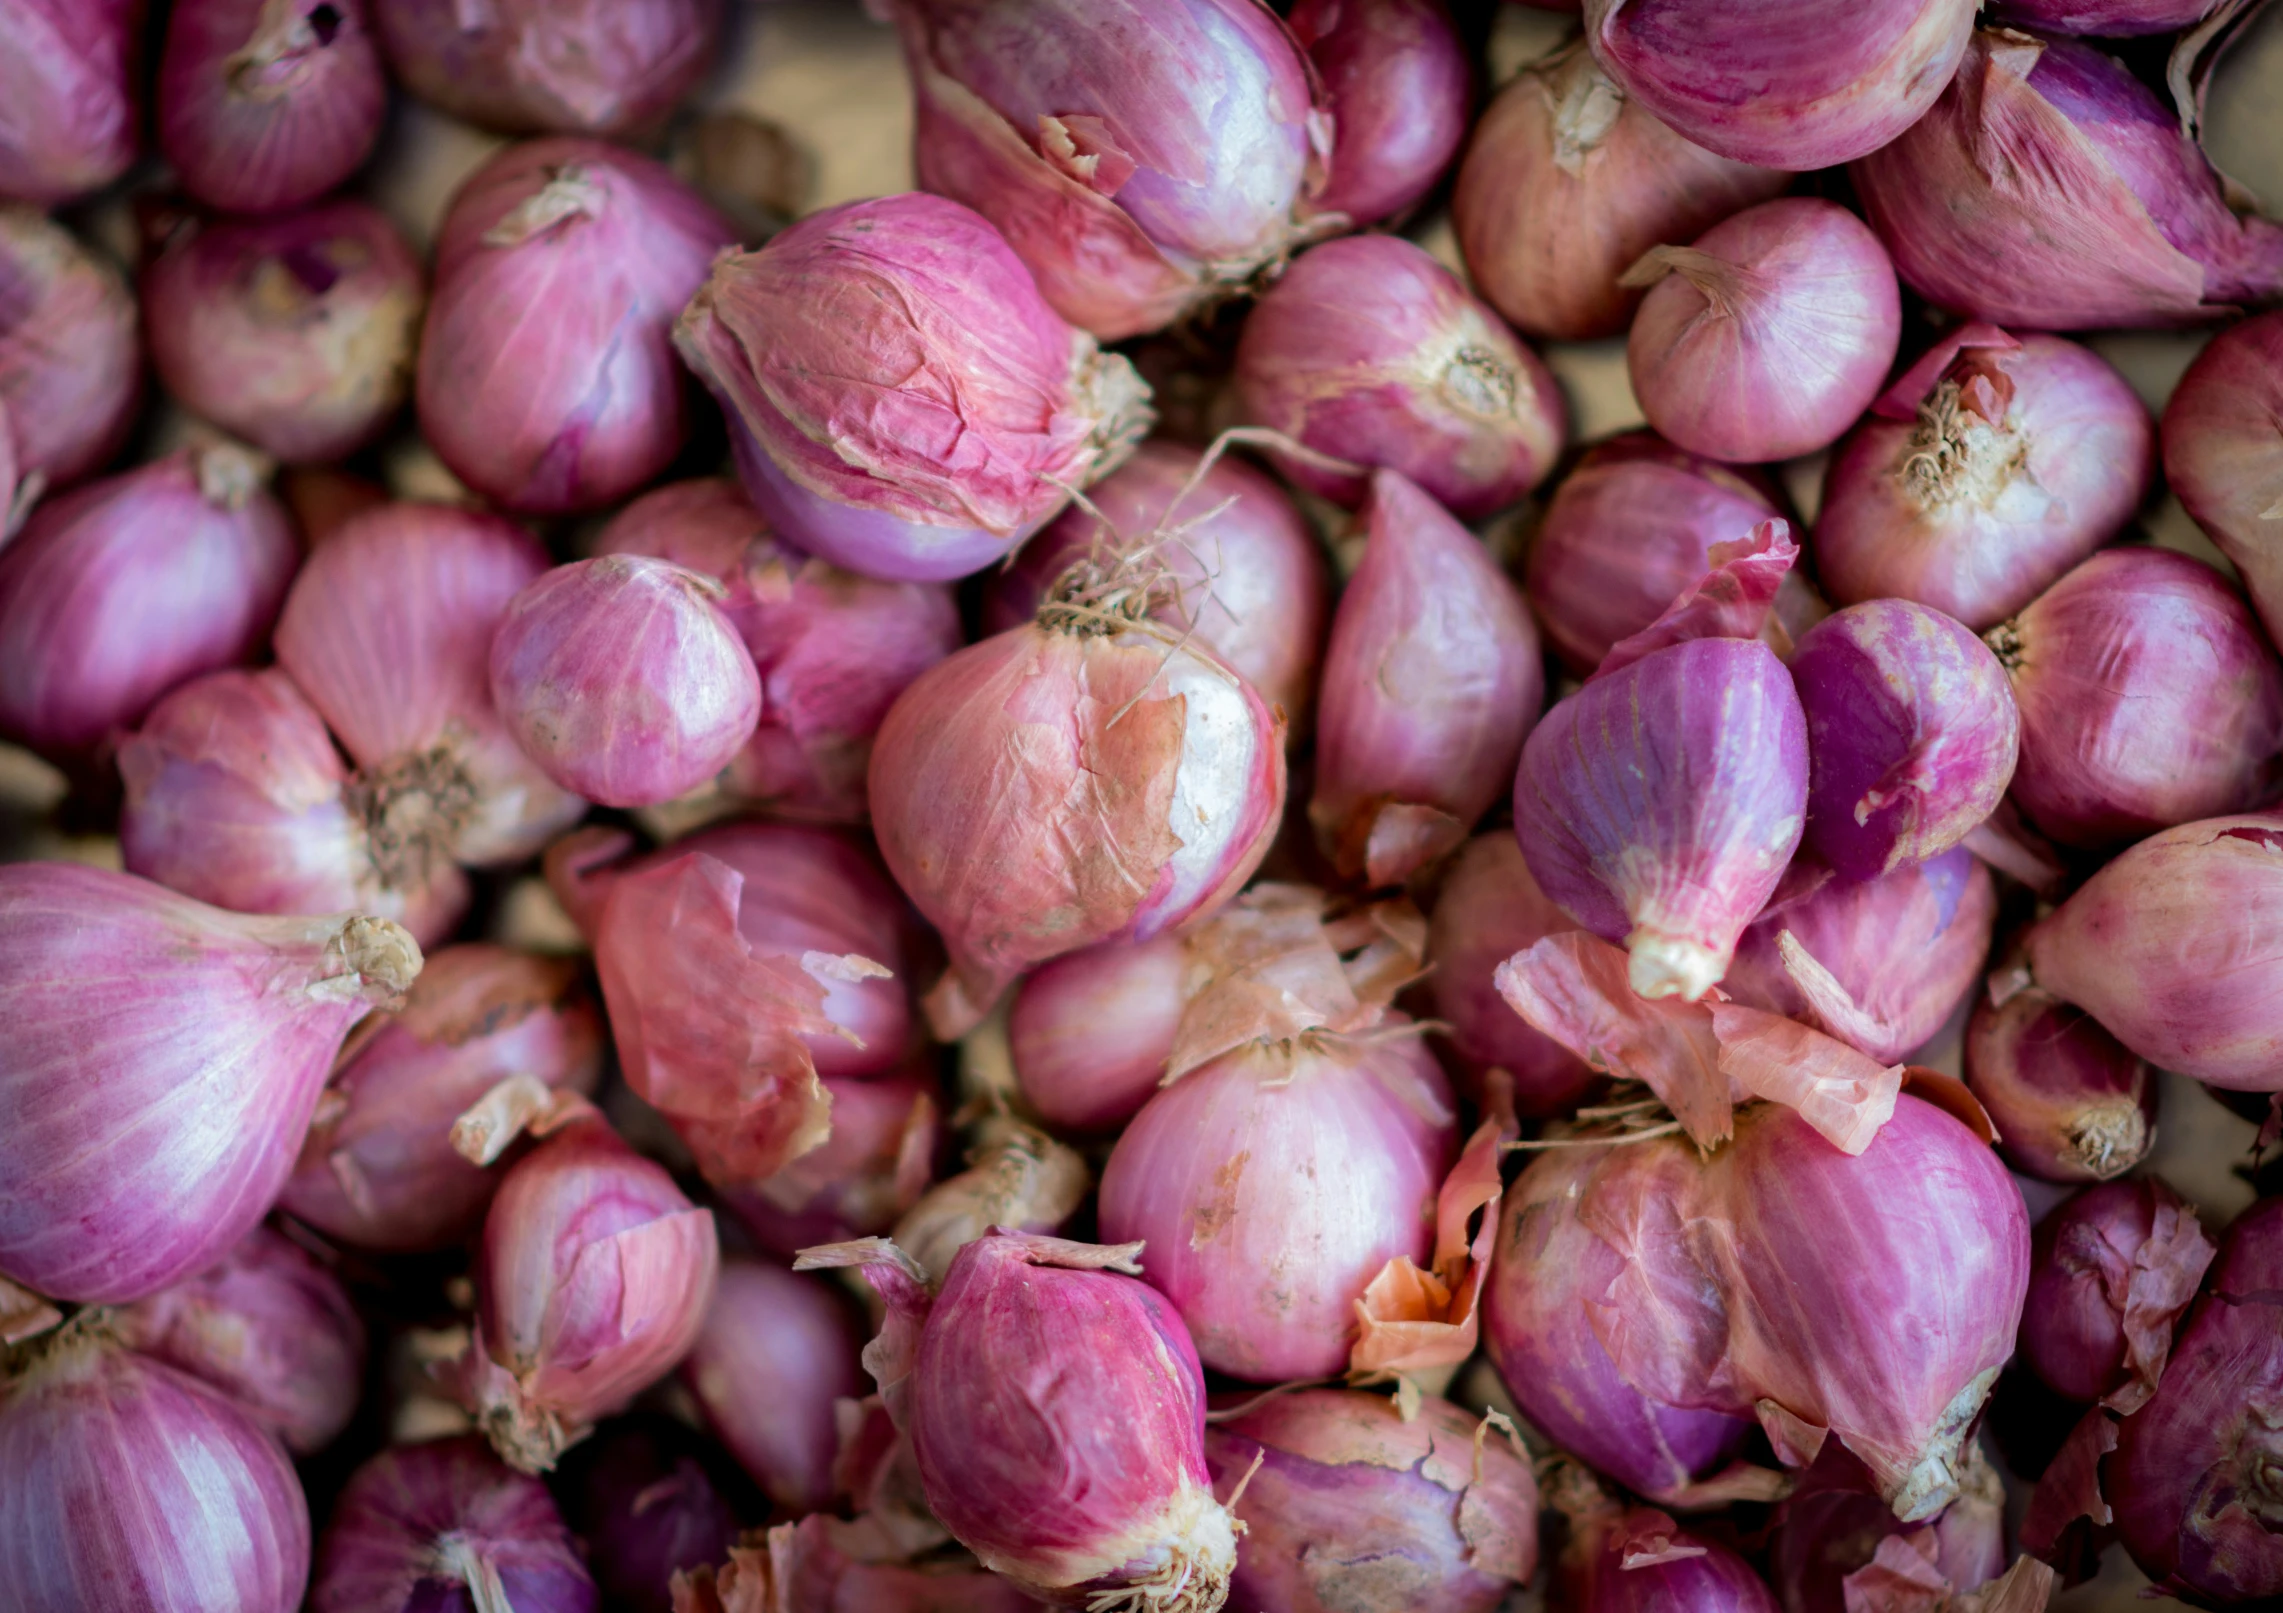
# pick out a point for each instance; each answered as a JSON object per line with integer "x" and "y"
{"x": 535, "y": 66}
{"x": 2223, "y": 453}
{"x": 1090, "y": 1031}
{"x": 68, "y": 80}
{"x": 775, "y": 1354}
{"x": 1831, "y": 1527}
{"x": 883, "y": 1148}
{"x": 645, "y": 1496}
{"x": 1399, "y": 86}
{"x": 1637, "y": 1560}
{"x": 71, "y": 368}
{"x": 2070, "y": 1103}
{"x": 2112, "y": 1270}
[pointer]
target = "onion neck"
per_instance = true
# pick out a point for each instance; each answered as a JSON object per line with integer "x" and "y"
{"x": 1107, "y": 387}
{"x": 1933, "y": 1481}
{"x": 457, "y": 1557}
{"x": 571, "y": 192}
{"x": 413, "y": 809}
{"x": 1956, "y": 454}
{"x": 286, "y": 39}
{"x": 1585, "y": 103}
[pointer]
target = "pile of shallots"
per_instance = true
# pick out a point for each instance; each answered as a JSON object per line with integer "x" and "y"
{"x": 1026, "y": 892}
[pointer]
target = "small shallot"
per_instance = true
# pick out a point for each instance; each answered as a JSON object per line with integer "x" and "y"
{"x": 2223, "y": 453}
{"x": 1637, "y": 1560}
{"x": 1399, "y": 86}
{"x": 777, "y": 1351}
{"x": 71, "y": 370}
{"x": 1768, "y": 336}
{"x": 1995, "y": 464}
{"x": 68, "y": 118}
{"x": 1370, "y": 351}
{"x": 1090, "y": 1031}
{"x": 2112, "y": 1270}
{"x": 162, "y": 1060}
{"x": 2070, "y": 1103}
{"x": 1432, "y": 680}
{"x": 645, "y": 1496}
{"x": 540, "y": 66}
{"x": 1830, "y": 1528}
{"x": 1489, "y": 909}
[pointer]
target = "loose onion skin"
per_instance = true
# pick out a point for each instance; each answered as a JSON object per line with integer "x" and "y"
{"x": 71, "y": 370}
{"x": 2223, "y": 453}
{"x": 67, "y": 87}
{"x": 1830, "y": 1527}
{"x": 551, "y": 66}
{"x": 1995, "y": 464}
{"x": 134, "y": 1488}
{"x": 2112, "y": 1271}
{"x": 1369, "y": 350}
{"x": 885, "y": 1144}
{"x": 1567, "y": 182}
{"x": 1400, "y": 87}
{"x": 777, "y": 1350}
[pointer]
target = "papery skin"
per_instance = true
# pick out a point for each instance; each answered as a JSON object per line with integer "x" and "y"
{"x": 1991, "y": 467}
{"x": 1146, "y": 157}
{"x": 1539, "y": 1335}
{"x": 1016, "y": 1176}
{"x": 2223, "y": 453}
{"x": 2113, "y": 1270}
{"x": 1912, "y": 735}
{"x": 902, "y": 400}
{"x": 1768, "y": 337}
{"x": 883, "y": 1150}
{"x": 1781, "y": 86}
{"x": 1660, "y": 805}
{"x": 267, "y": 104}
{"x": 1630, "y": 527}
{"x": 777, "y": 1350}
{"x": 1432, "y": 680}
{"x": 2048, "y": 189}
{"x": 1489, "y": 909}
{"x": 1635, "y": 1560}
{"x": 1400, "y": 87}
{"x": 377, "y": 1170}
{"x": 1355, "y": 1507}
{"x": 623, "y": 680}
{"x": 1903, "y": 951}
{"x": 1090, "y": 1031}
{"x": 1831, "y": 1526}
{"x": 162, "y": 1059}
{"x": 71, "y": 367}
{"x": 294, "y": 333}
{"x": 419, "y": 1526}
{"x": 606, "y": 67}
{"x": 803, "y": 1566}
{"x": 2149, "y": 696}
{"x": 1024, "y": 823}
{"x": 1369, "y": 350}
{"x": 2176, "y": 947}
{"x": 2070, "y": 1102}
{"x": 833, "y": 649}
{"x": 1251, "y": 582}
{"x": 387, "y": 632}
{"x": 645, "y": 1497}
{"x": 1273, "y": 1184}
{"x": 2194, "y": 1477}
{"x": 115, "y": 593}
{"x": 2107, "y": 19}
{"x": 577, "y": 410}
{"x": 593, "y": 1277}
{"x": 271, "y": 1328}
{"x": 67, "y": 96}
{"x": 134, "y": 1488}
{"x": 1567, "y": 182}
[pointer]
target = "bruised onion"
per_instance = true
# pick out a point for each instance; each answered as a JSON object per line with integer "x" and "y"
{"x": 116, "y": 592}
{"x": 1822, "y": 88}
{"x": 1911, "y": 735}
{"x": 134, "y": 1488}
{"x": 2149, "y": 696}
{"x": 777, "y": 1350}
{"x": 67, "y": 96}
{"x": 1370, "y": 351}
{"x": 1399, "y": 86}
{"x": 2223, "y": 453}
{"x": 2197, "y": 1476}
{"x": 833, "y": 650}
{"x": 593, "y": 1278}
{"x": 1567, "y": 182}
{"x": 902, "y": 400}
{"x": 206, "y": 1035}
{"x": 1629, "y": 528}
{"x": 1995, "y": 464}
{"x": 1244, "y": 572}
{"x": 643, "y": 1497}
{"x": 1144, "y": 157}
{"x": 2176, "y": 947}
{"x": 1057, "y": 1412}
{"x": 377, "y": 1170}
{"x": 2049, "y": 188}
{"x": 1432, "y": 681}
{"x": 1489, "y": 909}
{"x": 1355, "y": 1505}
{"x": 1090, "y": 1031}
{"x": 1879, "y": 963}
{"x": 623, "y": 680}
{"x": 2070, "y": 1103}
{"x": 2112, "y": 1269}
{"x": 445, "y": 1525}
{"x": 71, "y": 370}
{"x": 270, "y": 1328}
{"x": 535, "y": 66}
{"x": 295, "y": 333}
{"x": 1768, "y": 336}
{"x": 576, "y": 410}
{"x": 267, "y": 104}
{"x": 1637, "y": 1560}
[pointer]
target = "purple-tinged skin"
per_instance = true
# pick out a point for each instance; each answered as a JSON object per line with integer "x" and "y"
{"x": 642, "y": 1495}
{"x": 1369, "y": 350}
{"x": 68, "y": 77}
{"x": 1400, "y": 89}
{"x": 2197, "y": 1476}
{"x": 418, "y": 1523}
{"x": 622, "y": 679}
{"x": 2149, "y": 696}
{"x": 1627, "y": 1562}
{"x": 1911, "y": 735}
{"x": 2103, "y": 19}
{"x": 777, "y": 1350}
{"x": 134, "y": 1488}
{"x": 1091, "y": 1031}
{"x": 2112, "y": 1270}
{"x": 1659, "y": 806}
{"x": 71, "y": 366}
{"x": 1831, "y": 1525}
{"x": 2223, "y": 454}
{"x": 2071, "y": 1102}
